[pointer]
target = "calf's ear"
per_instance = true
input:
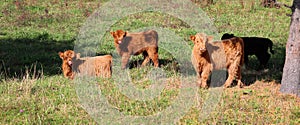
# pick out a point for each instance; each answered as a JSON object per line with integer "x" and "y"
{"x": 61, "y": 55}
{"x": 112, "y": 33}
{"x": 210, "y": 38}
{"x": 72, "y": 54}
{"x": 77, "y": 55}
{"x": 125, "y": 33}
{"x": 193, "y": 38}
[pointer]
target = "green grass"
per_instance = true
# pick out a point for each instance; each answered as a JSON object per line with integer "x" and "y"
{"x": 46, "y": 100}
{"x": 33, "y": 90}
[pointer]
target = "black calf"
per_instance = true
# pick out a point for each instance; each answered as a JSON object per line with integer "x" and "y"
{"x": 257, "y": 46}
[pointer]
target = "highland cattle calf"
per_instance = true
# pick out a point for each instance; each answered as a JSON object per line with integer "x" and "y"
{"x": 128, "y": 44}
{"x": 208, "y": 55}
{"x": 257, "y": 46}
{"x": 99, "y": 66}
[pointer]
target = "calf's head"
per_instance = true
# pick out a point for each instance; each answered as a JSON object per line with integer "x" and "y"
{"x": 200, "y": 41}
{"x": 118, "y": 36}
{"x": 67, "y": 57}
{"x": 227, "y": 36}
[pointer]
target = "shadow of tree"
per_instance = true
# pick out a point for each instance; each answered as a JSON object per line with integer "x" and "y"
{"x": 35, "y": 56}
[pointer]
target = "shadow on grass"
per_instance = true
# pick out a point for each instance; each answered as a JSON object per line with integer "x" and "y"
{"x": 273, "y": 70}
{"x": 39, "y": 56}
{"x": 35, "y": 56}
{"x": 169, "y": 64}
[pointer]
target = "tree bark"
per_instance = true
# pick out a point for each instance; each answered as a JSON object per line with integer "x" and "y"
{"x": 290, "y": 82}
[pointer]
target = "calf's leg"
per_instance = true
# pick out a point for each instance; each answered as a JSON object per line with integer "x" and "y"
{"x": 239, "y": 78}
{"x": 204, "y": 77}
{"x": 125, "y": 59}
{"x": 153, "y": 54}
{"x": 233, "y": 70}
{"x": 146, "y": 58}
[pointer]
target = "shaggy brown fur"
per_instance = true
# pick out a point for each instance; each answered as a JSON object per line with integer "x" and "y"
{"x": 257, "y": 46}
{"x": 67, "y": 57}
{"x": 209, "y": 55}
{"x": 128, "y": 44}
{"x": 99, "y": 66}
{"x": 201, "y": 60}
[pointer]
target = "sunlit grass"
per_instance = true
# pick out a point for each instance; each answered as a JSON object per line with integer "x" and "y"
{"x": 33, "y": 90}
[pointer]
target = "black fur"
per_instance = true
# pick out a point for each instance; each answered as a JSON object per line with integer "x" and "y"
{"x": 257, "y": 46}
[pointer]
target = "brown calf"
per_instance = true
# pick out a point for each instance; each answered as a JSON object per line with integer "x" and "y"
{"x": 128, "y": 44}
{"x": 208, "y": 55}
{"x": 66, "y": 66}
{"x": 99, "y": 66}
{"x": 200, "y": 59}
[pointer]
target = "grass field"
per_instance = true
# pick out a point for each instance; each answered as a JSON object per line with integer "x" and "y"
{"x": 34, "y": 91}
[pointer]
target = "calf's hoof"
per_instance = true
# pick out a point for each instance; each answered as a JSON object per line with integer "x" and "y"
{"x": 205, "y": 86}
{"x": 240, "y": 84}
{"x": 227, "y": 85}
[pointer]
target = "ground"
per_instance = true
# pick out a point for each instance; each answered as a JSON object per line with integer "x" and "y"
{"x": 34, "y": 91}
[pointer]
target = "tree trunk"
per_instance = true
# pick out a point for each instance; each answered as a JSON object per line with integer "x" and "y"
{"x": 290, "y": 82}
